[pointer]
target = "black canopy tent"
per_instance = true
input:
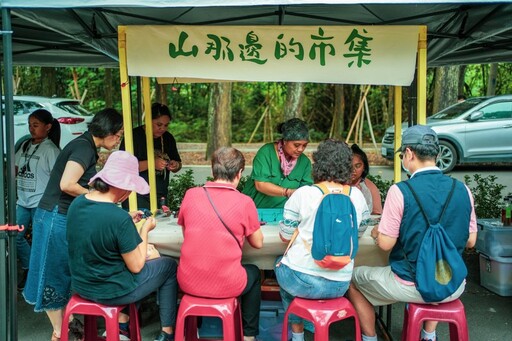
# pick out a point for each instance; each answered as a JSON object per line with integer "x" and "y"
{"x": 74, "y": 33}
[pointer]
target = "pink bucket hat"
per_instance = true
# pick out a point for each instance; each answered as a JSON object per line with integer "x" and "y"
{"x": 122, "y": 171}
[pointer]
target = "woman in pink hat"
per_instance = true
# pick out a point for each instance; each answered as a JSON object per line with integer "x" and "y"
{"x": 108, "y": 258}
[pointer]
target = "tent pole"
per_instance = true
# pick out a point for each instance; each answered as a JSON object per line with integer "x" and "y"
{"x": 146, "y": 101}
{"x": 126, "y": 103}
{"x": 397, "y": 164}
{"x": 422, "y": 77}
{"x": 12, "y": 330}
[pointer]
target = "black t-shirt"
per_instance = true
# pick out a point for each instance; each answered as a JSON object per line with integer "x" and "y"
{"x": 96, "y": 246}
{"x": 167, "y": 143}
{"x": 81, "y": 150}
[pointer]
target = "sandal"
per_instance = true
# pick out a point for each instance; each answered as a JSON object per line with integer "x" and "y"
{"x": 55, "y": 337}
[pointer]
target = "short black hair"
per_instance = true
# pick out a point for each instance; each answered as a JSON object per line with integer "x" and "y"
{"x": 105, "y": 123}
{"x": 159, "y": 109}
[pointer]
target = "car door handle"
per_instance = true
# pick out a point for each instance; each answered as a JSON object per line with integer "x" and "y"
{"x": 507, "y": 126}
{"x": 20, "y": 124}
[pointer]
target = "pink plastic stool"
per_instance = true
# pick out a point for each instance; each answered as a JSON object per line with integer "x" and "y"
{"x": 451, "y": 312}
{"x": 227, "y": 309}
{"x": 322, "y": 313}
{"x": 90, "y": 310}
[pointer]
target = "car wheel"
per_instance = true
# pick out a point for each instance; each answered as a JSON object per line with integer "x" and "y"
{"x": 447, "y": 158}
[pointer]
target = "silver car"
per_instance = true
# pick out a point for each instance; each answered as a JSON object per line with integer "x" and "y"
{"x": 474, "y": 131}
{"x": 72, "y": 116}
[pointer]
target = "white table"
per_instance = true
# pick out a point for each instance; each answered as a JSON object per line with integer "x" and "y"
{"x": 168, "y": 238}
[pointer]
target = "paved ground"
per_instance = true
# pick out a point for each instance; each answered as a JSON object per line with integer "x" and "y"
{"x": 489, "y": 316}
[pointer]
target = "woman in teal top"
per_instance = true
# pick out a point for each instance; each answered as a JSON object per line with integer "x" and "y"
{"x": 279, "y": 168}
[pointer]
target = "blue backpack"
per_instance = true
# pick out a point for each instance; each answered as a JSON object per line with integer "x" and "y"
{"x": 440, "y": 269}
{"x": 335, "y": 229}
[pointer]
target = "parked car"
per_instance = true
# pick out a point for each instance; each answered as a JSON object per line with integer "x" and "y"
{"x": 476, "y": 130}
{"x": 72, "y": 116}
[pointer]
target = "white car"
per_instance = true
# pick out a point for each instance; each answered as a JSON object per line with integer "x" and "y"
{"x": 72, "y": 116}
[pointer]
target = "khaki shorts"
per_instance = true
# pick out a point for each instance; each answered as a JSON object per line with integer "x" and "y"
{"x": 380, "y": 287}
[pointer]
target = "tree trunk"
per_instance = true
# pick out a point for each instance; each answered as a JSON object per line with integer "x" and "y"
{"x": 161, "y": 94}
{"x": 49, "y": 81}
{"x": 294, "y": 100}
{"x": 385, "y": 109}
{"x": 338, "y": 117}
{"x": 107, "y": 89}
{"x": 446, "y": 87}
{"x": 491, "y": 83}
{"x": 219, "y": 117}
{"x": 462, "y": 80}
{"x": 391, "y": 107}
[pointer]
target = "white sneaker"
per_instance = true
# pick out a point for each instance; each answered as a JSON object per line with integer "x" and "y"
{"x": 122, "y": 337}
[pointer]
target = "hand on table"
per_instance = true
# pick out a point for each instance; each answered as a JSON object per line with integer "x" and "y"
{"x": 149, "y": 224}
{"x": 136, "y": 216}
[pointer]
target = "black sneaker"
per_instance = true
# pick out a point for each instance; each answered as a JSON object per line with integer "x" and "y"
{"x": 23, "y": 280}
{"x": 164, "y": 337}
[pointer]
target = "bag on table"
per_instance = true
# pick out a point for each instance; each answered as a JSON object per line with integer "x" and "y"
{"x": 335, "y": 231}
{"x": 440, "y": 269}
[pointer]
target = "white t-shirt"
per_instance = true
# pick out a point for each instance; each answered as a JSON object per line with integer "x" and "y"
{"x": 300, "y": 211}
{"x": 34, "y": 167}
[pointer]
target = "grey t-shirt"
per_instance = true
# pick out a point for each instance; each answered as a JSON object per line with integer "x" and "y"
{"x": 35, "y": 163}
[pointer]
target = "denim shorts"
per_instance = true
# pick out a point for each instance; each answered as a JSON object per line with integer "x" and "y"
{"x": 298, "y": 284}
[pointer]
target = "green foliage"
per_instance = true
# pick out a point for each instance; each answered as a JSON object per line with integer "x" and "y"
{"x": 241, "y": 184}
{"x": 487, "y": 195}
{"x": 382, "y": 185}
{"x": 178, "y": 185}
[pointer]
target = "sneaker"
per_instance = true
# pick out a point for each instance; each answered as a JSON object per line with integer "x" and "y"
{"x": 124, "y": 335}
{"x": 163, "y": 336}
{"x": 23, "y": 280}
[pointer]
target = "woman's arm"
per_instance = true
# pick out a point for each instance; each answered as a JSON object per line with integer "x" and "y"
{"x": 136, "y": 259}
{"x": 376, "y": 199}
{"x": 270, "y": 189}
{"x": 256, "y": 239}
{"x": 70, "y": 177}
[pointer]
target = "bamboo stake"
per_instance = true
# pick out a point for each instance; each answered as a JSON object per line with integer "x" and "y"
{"x": 357, "y": 114}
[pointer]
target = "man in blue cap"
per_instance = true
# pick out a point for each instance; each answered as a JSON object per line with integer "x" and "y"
{"x": 403, "y": 226}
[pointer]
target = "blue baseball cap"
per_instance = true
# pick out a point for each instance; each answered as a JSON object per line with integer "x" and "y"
{"x": 419, "y": 135}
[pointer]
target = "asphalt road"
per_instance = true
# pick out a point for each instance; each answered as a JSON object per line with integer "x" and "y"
{"x": 503, "y": 173}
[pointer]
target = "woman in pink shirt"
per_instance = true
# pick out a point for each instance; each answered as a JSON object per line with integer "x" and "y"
{"x": 216, "y": 219}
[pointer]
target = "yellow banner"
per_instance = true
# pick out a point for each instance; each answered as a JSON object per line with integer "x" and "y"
{"x": 380, "y": 55}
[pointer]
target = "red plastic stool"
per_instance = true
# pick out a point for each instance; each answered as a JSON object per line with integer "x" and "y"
{"x": 90, "y": 310}
{"x": 227, "y": 309}
{"x": 451, "y": 312}
{"x": 322, "y": 313}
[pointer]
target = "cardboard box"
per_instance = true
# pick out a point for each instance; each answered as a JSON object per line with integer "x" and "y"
{"x": 496, "y": 274}
{"x": 493, "y": 239}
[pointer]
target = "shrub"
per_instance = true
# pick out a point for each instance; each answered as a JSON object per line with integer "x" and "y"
{"x": 382, "y": 185}
{"x": 178, "y": 185}
{"x": 487, "y": 195}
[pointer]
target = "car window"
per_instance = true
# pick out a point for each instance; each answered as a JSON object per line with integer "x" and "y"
{"x": 497, "y": 111}
{"x": 457, "y": 109}
{"x": 18, "y": 108}
{"x": 73, "y": 107}
{"x": 32, "y": 106}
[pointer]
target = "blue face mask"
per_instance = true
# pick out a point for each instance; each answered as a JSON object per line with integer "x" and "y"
{"x": 407, "y": 171}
